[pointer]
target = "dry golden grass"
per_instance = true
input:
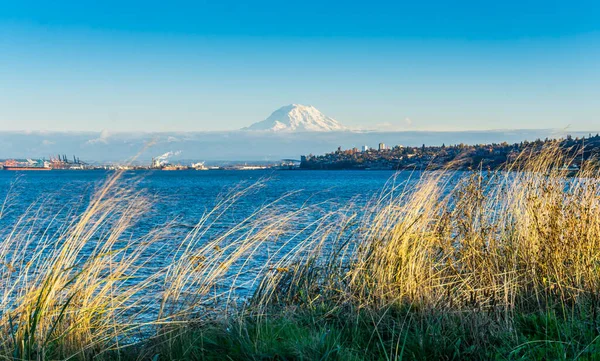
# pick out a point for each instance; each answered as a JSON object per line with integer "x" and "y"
{"x": 473, "y": 240}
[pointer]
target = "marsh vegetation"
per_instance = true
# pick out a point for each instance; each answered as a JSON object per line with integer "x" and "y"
{"x": 489, "y": 265}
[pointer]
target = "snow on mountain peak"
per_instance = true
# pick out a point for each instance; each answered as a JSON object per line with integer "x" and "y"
{"x": 297, "y": 117}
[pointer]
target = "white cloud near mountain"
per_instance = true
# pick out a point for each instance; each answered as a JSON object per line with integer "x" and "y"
{"x": 102, "y": 138}
{"x": 398, "y": 126}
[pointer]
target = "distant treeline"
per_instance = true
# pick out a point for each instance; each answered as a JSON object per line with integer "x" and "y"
{"x": 460, "y": 156}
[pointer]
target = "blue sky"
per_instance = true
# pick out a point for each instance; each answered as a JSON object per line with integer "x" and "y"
{"x": 175, "y": 65}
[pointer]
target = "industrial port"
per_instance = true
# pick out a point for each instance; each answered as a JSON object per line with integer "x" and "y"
{"x": 62, "y": 162}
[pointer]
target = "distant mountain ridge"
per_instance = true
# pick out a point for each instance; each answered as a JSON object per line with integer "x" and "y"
{"x": 297, "y": 118}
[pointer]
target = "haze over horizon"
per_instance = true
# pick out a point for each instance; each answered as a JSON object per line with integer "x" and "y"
{"x": 197, "y": 66}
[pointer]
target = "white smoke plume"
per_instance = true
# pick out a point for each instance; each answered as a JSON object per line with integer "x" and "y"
{"x": 164, "y": 158}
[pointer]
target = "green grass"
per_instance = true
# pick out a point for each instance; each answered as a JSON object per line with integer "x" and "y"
{"x": 398, "y": 334}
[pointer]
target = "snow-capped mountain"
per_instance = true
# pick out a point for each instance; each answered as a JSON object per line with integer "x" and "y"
{"x": 297, "y": 117}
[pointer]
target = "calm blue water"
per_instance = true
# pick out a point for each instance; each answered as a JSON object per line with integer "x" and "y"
{"x": 180, "y": 198}
{"x": 187, "y": 194}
